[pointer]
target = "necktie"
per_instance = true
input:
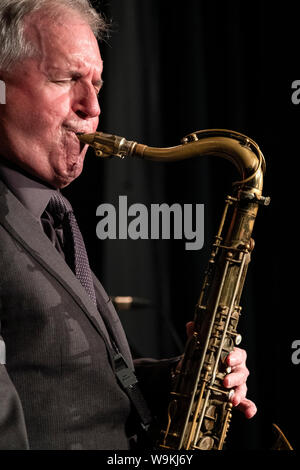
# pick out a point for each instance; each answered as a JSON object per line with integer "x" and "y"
{"x": 74, "y": 248}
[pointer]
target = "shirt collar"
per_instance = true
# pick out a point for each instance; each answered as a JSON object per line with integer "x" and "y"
{"x": 31, "y": 192}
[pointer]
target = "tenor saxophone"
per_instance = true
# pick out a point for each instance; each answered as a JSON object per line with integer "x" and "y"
{"x": 200, "y": 408}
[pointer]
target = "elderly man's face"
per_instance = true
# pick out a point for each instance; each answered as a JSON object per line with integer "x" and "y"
{"x": 51, "y": 97}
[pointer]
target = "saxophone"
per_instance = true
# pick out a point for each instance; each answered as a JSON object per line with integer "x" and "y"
{"x": 200, "y": 408}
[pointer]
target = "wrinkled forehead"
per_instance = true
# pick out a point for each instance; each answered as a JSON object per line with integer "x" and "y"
{"x": 64, "y": 41}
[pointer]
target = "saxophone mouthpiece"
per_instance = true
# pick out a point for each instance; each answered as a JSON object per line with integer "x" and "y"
{"x": 108, "y": 145}
{"x": 86, "y": 138}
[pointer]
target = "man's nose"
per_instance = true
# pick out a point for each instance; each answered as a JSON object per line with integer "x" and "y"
{"x": 86, "y": 104}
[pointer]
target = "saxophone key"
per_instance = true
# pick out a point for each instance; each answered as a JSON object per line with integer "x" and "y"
{"x": 228, "y": 393}
{"x": 206, "y": 443}
{"x": 237, "y": 337}
{"x": 210, "y": 418}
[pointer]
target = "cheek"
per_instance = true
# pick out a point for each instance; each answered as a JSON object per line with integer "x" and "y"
{"x": 50, "y": 113}
{"x": 38, "y": 112}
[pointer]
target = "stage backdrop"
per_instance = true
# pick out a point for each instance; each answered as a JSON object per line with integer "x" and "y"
{"x": 171, "y": 68}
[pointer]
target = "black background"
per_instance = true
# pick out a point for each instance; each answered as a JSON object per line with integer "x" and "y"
{"x": 171, "y": 68}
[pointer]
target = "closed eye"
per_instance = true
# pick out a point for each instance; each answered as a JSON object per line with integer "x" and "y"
{"x": 67, "y": 80}
{"x": 97, "y": 86}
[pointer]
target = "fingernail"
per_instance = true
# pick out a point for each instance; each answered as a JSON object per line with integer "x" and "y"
{"x": 227, "y": 382}
{"x": 231, "y": 361}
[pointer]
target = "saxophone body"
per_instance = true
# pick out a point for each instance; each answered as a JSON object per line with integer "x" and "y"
{"x": 200, "y": 408}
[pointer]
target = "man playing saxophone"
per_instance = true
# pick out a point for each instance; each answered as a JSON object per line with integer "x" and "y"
{"x": 62, "y": 382}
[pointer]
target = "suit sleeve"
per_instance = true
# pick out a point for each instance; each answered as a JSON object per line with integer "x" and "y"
{"x": 13, "y": 435}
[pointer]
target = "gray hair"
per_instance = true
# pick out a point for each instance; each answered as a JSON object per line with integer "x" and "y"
{"x": 14, "y": 45}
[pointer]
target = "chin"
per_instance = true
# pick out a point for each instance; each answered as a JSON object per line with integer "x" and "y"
{"x": 61, "y": 180}
{"x": 74, "y": 167}
{"x": 67, "y": 168}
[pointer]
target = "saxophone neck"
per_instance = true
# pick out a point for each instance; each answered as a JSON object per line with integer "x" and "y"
{"x": 239, "y": 149}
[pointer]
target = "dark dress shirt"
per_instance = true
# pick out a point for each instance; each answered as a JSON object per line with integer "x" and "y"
{"x": 35, "y": 196}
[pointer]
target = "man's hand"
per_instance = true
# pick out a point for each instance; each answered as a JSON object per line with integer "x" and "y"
{"x": 236, "y": 379}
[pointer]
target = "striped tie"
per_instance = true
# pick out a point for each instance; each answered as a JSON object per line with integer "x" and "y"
{"x": 75, "y": 251}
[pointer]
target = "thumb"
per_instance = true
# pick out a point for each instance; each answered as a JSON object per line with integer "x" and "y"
{"x": 189, "y": 328}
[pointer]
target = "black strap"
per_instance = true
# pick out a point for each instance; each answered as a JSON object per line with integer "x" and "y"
{"x": 129, "y": 383}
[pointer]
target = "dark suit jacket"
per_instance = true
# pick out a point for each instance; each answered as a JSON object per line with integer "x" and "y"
{"x": 58, "y": 389}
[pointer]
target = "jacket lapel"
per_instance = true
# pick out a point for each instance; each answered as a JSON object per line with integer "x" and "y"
{"x": 27, "y": 230}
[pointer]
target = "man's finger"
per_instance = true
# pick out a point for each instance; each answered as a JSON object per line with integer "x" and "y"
{"x": 236, "y": 378}
{"x": 190, "y": 328}
{"x": 237, "y": 356}
{"x": 248, "y": 408}
{"x": 239, "y": 394}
